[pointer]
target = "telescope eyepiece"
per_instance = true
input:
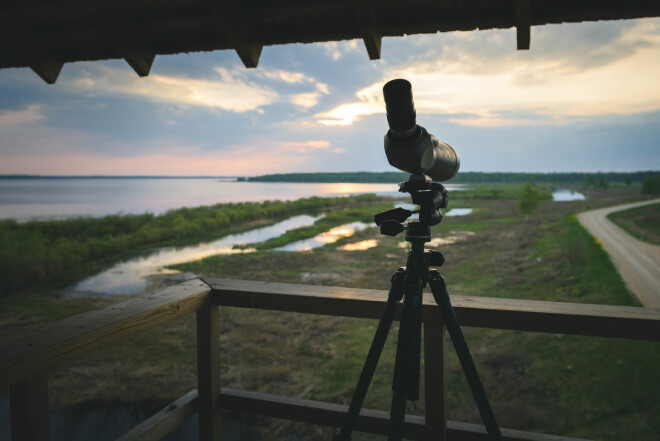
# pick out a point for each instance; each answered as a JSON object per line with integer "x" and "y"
{"x": 401, "y": 115}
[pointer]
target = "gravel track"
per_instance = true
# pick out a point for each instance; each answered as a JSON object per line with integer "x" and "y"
{"x": 638, "y": 262}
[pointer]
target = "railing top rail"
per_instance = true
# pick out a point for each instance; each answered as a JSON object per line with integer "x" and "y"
{"x": 522, "y": 315}
{"x": 39, "y": 351}
{"x": 42, "y": 350}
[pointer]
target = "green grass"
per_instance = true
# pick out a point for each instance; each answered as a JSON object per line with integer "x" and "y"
{"x": 575, "y": 386}
{"x": 40, "y": 255}
{"x": 641, "y": 222}
{"x": 496, "y": 191}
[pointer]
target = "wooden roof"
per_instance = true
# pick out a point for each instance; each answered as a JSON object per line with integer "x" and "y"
{"x": 44, "y": 34}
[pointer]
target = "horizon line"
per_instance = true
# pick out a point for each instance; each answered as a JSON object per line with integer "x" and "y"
{"x": 40, "y": 176}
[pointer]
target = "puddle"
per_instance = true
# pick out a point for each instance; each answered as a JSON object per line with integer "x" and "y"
{"x": 406, "y": 206}
{"x": 459, "y": 212}
{"x": 565, "y": 194}
{"x": 450, "y": 238}
{"x": 360, "y": 246}
{"x": 146, "y": 272}
{"x": 330, "y": 236}
{"x": 450, "y": 212}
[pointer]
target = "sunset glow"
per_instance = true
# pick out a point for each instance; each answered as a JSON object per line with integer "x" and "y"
{"x": 319, "y": 107}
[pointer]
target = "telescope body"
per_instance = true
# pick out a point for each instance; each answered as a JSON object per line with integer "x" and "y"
{"x": 409, "y": 146}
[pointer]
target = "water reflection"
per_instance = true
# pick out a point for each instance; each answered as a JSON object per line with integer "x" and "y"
{"x": 330, "y": 236}
{"x": 136, "y": 275}
{"x": 566, "y": 194}
{"x": 360, "y": 246}
{"x": 447, "y": 239}
{"x": 459, "y": 212}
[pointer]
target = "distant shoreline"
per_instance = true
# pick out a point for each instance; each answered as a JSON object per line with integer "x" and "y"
{"x": 575, "y": 178}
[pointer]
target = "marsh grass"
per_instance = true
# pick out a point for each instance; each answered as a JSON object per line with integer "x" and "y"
{"x": 575, "y": 386}
{"x": 642, "y": 223}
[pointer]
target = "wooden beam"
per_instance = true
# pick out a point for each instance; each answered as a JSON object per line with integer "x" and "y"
{"x": 32, "y": 52}
{"x": 127, "y": 42}
{"x": 523, "y": 24}
{"x": 40, "y": 351}
{"x": 370, "y": 421}
{"x": 166, "y": 420}
{"x": 366, "y": 19}
{"x": 208, "y": 372}
{"x": 29, "y": 410}
{"x": 238, "y": 27}
{"x": 484, "y": 312}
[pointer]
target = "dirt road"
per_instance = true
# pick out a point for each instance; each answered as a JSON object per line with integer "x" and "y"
{"x": 638, "y": 262}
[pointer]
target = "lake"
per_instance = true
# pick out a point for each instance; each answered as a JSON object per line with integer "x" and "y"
{"x": 30, "y": 198}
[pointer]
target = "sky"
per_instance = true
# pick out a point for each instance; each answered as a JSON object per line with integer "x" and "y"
{"x": 585, "y": 97}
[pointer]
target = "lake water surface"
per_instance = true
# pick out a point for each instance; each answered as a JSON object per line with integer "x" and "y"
{"x": 25, "y": 199}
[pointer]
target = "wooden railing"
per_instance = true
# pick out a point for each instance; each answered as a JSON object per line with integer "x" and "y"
{"x": 26, "y": 360}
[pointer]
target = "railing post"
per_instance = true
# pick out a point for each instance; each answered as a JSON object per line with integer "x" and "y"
{"x": 208, "y": 372}
{"x": 29, "y": 410}
{"x": 435, "y": 385}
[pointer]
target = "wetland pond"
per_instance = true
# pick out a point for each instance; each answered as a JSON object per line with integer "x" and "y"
{"x": 148, "y": 271}
{"x": 566, "y": 195}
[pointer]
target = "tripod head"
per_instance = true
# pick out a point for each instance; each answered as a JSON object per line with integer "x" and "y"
{"x": 430, "y": 196}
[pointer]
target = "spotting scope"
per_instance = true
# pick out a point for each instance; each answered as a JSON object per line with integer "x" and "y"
{"x": 408, "y": 146}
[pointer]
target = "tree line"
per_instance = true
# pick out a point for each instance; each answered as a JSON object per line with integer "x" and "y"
{"x": 462, "y": 177}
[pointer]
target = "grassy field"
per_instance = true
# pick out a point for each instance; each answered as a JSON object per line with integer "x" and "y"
{"x": 642, "y": 222}
{"x": 577, "y": 386}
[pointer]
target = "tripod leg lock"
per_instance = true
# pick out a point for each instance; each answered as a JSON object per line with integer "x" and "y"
{"x": 396, "y": 290}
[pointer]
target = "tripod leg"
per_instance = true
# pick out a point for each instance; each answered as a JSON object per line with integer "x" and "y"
{"x": 384, "y": 325}
{"x": 405, "y": 384}
{"x": 439, "y": 290}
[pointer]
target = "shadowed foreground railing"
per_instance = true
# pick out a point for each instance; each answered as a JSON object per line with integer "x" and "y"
{"x": 26, "y": 360}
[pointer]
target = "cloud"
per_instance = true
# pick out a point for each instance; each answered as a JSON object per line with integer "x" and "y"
{"x": 226, "y": 90}
{"x": 311, "y": 144}
{"x": 13, "y": 118}
{"x": 347, "y": 114}
{"x": 231, "y": 89}
{"x": 173, "y": 159}
{"x": 337, "y": 49}
{"x": 619, "y": 78}
{"x": 306, "y": 100}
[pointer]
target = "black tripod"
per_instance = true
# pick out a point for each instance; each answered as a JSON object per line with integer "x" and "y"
{"x": 408, "y": 284}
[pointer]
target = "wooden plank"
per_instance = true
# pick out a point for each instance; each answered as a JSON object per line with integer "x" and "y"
{"x": 67, "y": 26}
{"x": 29, "y": 410}
{"x": 127, "y": 42}
{"x": 27, "y": 356}
{"x": 435, "y": 381}
{"x": 208, "y": 372}
{"x": 165, "y": 421}
{"x": 239, "y": 29}
{"x": 523, "y": 24}
{"x": 366, "y": 19}
{"x": 32, "y": 51}
{"x": 520, "y": 315}
{"x": 370, "y": 421}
